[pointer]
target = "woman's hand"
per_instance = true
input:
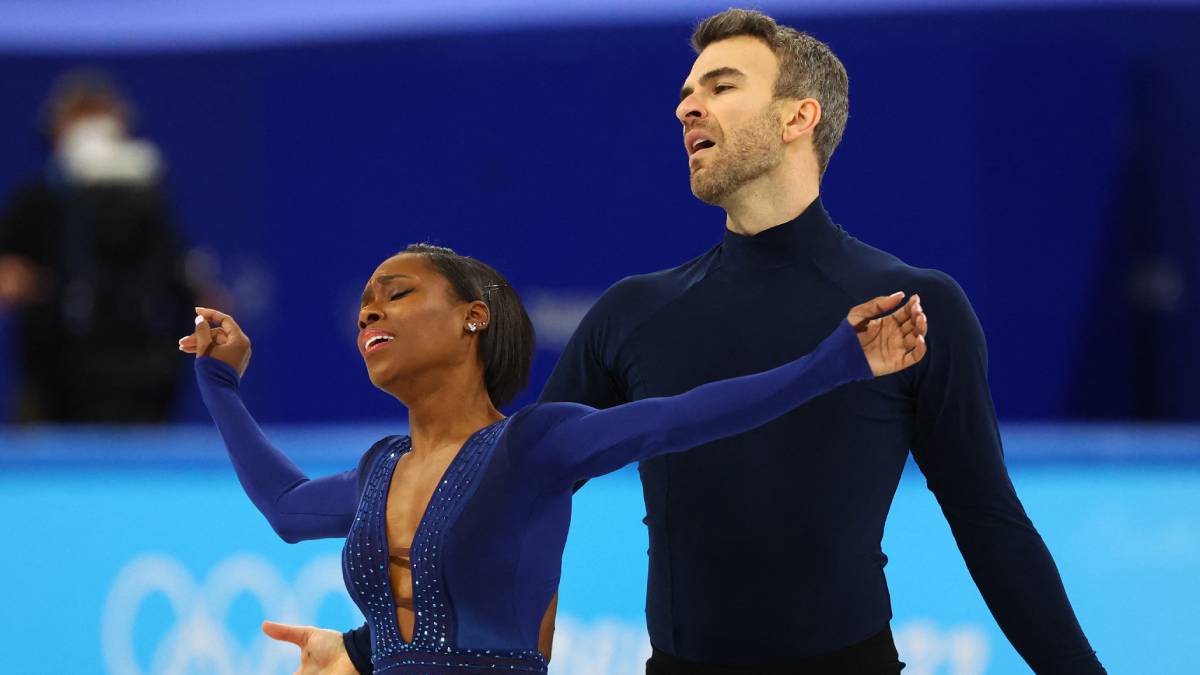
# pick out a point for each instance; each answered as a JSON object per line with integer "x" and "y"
{"x": 218, "y": 335}
{"x": 321, "y": 651}
{"x": 893, "y": 342}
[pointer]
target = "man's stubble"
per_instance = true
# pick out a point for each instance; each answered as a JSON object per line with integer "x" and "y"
{"x": 746, "y": 154}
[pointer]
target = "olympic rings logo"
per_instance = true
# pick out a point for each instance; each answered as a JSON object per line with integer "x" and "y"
{"x": 198, "y": 640}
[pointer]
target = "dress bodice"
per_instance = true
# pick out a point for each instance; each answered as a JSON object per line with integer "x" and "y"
{"x": 366, "y": 568}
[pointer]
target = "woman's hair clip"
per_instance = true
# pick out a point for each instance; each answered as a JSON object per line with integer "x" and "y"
{"x": 493, "y": 287}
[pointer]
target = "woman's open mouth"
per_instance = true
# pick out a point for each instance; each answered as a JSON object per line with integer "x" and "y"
{"x": 374, "y": 340}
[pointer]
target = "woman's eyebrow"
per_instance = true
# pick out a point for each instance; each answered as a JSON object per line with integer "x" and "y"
{"x": 381, "y": 280}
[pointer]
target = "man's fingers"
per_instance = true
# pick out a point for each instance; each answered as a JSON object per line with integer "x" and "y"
{"x": 297, "y": 635}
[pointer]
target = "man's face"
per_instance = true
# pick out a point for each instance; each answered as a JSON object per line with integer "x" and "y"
{"x": 732, "y": 131}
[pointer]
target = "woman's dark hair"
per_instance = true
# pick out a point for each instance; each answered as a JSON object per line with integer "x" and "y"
{"x": 506, "y": 344}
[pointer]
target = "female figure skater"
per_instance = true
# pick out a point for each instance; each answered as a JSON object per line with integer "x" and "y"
{"x": 455, "y": 533}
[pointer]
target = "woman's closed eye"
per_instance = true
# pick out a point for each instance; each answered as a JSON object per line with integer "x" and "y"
{"x": 399, "y": 294}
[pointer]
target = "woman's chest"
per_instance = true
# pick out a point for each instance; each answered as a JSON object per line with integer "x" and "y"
{"x": 412, "y": 485}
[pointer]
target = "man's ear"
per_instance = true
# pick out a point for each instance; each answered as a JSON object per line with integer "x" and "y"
{"x": 802, "y": 118}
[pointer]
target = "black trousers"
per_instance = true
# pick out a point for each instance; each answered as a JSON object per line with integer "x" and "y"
{"x": 874, "y": 656}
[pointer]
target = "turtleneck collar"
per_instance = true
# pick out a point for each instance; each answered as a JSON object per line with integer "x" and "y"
{"x": 781, "y": 244}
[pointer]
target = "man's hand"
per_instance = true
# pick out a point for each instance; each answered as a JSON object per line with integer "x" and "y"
{"x": 893, "y": 342}
{"x": 321, "y": 650}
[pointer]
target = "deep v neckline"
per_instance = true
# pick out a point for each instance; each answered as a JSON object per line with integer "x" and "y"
{"x": 419, "y": 532}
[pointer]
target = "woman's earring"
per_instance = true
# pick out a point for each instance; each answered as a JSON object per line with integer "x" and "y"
{"x": 472, "y": 327}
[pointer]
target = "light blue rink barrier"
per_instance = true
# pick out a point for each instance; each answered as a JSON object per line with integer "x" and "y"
{"x": 136, "y": 552}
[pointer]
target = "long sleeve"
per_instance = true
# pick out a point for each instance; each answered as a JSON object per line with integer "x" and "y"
{"x": 582, "y": 442}
{"x": 957, "y": 446}
{"x": 297, "y": 507}
{"x": 357, "y": 643}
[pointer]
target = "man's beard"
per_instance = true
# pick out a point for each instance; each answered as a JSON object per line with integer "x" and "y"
{"x": 746, "y": 154}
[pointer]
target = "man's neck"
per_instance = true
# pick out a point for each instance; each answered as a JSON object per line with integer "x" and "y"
{"x": 764, "y": 203}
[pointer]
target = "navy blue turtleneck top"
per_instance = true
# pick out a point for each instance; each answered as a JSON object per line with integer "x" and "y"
{"x": 487, "y": 553}
{"x": 765, "y": 547}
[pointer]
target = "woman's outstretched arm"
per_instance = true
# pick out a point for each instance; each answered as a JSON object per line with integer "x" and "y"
{"x": 297, "y": 507}
{"x": 581, "y": 442}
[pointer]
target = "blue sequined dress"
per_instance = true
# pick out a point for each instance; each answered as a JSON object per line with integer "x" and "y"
{"x": 487, "y": 553}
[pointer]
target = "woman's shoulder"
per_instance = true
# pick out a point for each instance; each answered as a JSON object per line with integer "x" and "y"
{"x": 530, "y": 425}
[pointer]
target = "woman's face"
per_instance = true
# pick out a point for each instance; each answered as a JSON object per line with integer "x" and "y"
{"x": 411, "y": 323}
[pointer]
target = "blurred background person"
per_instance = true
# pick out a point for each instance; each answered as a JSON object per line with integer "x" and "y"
{"x": 92, "y": 266}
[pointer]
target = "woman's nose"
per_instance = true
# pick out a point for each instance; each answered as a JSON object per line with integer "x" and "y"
{"x": 368, "y": 316}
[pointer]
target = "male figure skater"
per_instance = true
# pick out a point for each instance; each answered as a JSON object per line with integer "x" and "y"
{"x": 765, "y": 550}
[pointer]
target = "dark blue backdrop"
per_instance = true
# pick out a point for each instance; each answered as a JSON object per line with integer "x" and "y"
{"x": 1046, "y": 159}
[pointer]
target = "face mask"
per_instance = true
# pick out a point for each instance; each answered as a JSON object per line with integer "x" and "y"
{"x": 95, "y": 150}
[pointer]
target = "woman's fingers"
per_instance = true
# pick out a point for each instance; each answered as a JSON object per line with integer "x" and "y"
{"x": 234, "y": 346}
{"x": 187, "y": 343}
{"x": 221, "y": 334}
{"x": 220, "y": 319}
{"x": 911, "y": 326}
{"x": 860, "y": 314}
{"x": 915, "y": 354}
{"x": 914, "y": 320}
{"x": 297, "y": 635}
{"x": 203, "y": 336}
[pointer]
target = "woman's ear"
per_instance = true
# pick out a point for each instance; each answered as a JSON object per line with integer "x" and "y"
{"x": 478, "y": 315}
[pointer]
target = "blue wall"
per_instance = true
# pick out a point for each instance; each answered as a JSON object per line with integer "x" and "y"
{"x": 1044, "y": 158}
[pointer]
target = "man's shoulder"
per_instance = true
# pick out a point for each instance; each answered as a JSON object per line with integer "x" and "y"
{"x": 635, "y": 298}
{"x": 870, "y": 271}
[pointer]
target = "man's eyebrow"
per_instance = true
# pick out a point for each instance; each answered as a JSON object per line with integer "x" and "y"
{"x": 723, "y": 71}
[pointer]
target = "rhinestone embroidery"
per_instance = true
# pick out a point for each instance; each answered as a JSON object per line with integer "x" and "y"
{"x": 365, "y": 567}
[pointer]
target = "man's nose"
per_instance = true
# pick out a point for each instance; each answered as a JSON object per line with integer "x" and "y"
{"x": 690, "y": 110}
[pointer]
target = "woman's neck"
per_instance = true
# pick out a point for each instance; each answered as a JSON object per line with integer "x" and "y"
{"x": 448, "y": 412}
